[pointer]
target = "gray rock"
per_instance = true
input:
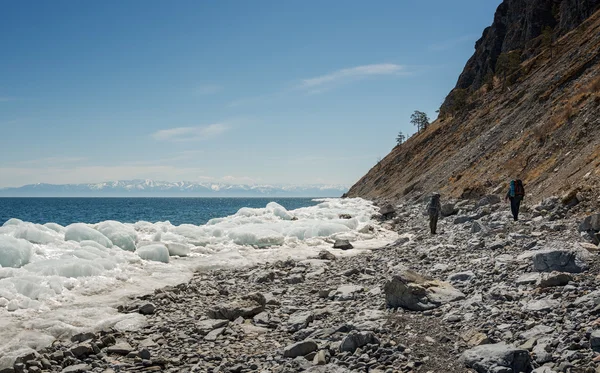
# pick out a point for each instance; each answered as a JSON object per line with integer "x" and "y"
{"x": 593, "y": 297}
{"x": 448, "y": 209}
{"x": 494, "y": 357}
{"x": 410, "y": 290}
{"x": 120, "y": 348}
{"x": 206, "y": 326}
{"x": 214, "y": 334}
{"x": 342, "y": 244}
{"x": 82, "y": 337}
{"x": 590, "y": 223}
{"x": 294, "y": 279}
{"x": 82, "y": 350}
{"x": 595, "y": 340}
{"x": 387, "y": 211}
{"x": 329, "y": 368}
{"x": 464, "y": 218}
{"x": 326, "y": 255}
{"x": 356, "y": 339}
{"x": 79, "y": 368}
{"x": 461, "y": 276}
{"x": 320, "y": 358}
{"x": 108, "y": 340}
{"x": 537, "y": 331}
{"x": 475, "y": 244}
{"x": 302, "y": 348}
{"x": 479, "y": 227}
{"x": 265, "y": 276}
{"x": 554, "y": 279}
{"x": 299, "y": 320}
{"x": 147, "y": 309}
{"x": 144, "y": 354}
{"x": 542, "y": 305}
{"x": 346, "y": 292}
{"x": 245, "y": 308}
{"x": 558, "y": 260}
{"x": 540, "y": 354}
{"x": 528, "y": 278}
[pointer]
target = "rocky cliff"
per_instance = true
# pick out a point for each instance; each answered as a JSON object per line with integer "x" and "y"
{"x": 537, "y": 119}
{"x": 517, "y": 26}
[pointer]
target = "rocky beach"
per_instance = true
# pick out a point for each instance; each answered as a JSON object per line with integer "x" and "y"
{"x": 484, "y": 295}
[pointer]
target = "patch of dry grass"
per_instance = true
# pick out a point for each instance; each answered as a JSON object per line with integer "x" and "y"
{"x": 594, "y": 86}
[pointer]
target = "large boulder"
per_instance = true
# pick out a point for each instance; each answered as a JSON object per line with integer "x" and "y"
{"x": 479, "y": 227}
{"x": 302, "y": 348}
{"x": 356, "y": 339}
{"x": 342, "y": 244}
{"x": 591, "y": 223}
{"x": 245, "y": 308}
{"x": 449, "y": 209}
{"x": 571, "y": 198}
{"x": 549, "y": 260}
{"x": 410, "y": 290}
{"x": 595, "y": 340}
{"x": 387, "y": 211}
{"x": 498, "y": 357}
{"x": 547, "y": 280}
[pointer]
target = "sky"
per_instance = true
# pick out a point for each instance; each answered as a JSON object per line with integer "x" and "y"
{"x": 253, "y": 92}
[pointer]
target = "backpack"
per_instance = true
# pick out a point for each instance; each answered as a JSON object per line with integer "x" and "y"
{"x": 519, "y": 190}
{"x": 432, "y": 208}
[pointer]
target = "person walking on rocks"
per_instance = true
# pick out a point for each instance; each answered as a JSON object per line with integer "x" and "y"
{"x": 516, "y": 193}
{"x": 434, "y": 209}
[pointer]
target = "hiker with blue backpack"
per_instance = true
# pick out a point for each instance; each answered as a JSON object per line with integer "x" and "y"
{"x": 516, "y": 193}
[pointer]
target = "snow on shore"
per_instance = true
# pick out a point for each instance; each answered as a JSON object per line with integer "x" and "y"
{"x": 57, "y": 281}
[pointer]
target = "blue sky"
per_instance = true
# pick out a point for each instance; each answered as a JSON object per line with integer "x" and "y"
{"x": 287, "y": 92}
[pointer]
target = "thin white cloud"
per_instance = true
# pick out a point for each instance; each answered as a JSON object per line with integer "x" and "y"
{"x": 183, "y": 156}
{"x": 452, "y": 43}
{"x": 180, "y": 134}
{"x": 320, "y": 82}
{"x": 208, "y": 89}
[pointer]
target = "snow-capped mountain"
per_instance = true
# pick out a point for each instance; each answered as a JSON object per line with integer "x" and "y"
{"x": 153, "y": 188}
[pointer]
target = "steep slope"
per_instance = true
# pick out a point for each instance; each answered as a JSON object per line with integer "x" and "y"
{"x": 540, "y": 122}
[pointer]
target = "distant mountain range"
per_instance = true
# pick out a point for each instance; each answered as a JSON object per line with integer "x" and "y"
{"x": 152, "y": 188}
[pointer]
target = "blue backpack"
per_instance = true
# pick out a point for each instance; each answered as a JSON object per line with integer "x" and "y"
{"x": 516, "y": 188}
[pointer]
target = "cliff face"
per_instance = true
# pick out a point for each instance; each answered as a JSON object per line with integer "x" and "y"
{"x": 517, "y": 24}
{"x": 543, "y": 126}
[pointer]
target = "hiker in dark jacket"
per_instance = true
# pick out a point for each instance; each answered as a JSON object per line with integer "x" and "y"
{"x": 434, "y": 208}
{"x": 516, "y": 193}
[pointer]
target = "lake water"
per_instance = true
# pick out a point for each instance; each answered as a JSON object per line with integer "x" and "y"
{"x": 65, "y": 211}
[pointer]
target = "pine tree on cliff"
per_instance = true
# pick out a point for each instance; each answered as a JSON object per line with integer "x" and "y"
{"x": 419, "y": 119}
{"x": 400, "y": 138}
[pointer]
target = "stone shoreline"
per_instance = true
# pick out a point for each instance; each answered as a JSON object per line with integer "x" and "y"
{"x": 481, "y": 295}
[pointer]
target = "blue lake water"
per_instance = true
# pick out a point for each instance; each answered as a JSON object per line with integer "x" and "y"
{"x": 65, "y": 211}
